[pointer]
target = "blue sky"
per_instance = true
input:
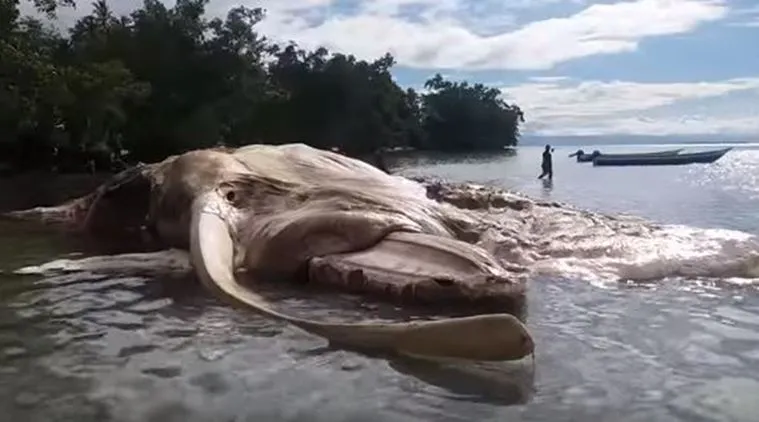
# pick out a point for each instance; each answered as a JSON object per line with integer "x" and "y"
{"x": 577, "y": 67}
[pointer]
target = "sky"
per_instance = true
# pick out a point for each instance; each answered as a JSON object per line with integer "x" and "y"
{"x": 576, "y": 67}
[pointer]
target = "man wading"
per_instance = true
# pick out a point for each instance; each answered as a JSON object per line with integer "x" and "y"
{"x": 547, "y": 164}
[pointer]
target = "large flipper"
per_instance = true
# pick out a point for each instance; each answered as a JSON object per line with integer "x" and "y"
{"x": 493, "y": 337}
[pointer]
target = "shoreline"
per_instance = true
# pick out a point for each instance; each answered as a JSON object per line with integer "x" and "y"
{"x": 42, "y": 188}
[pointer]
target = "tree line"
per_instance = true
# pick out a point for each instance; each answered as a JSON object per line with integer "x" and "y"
{"x": 162, "y": 80}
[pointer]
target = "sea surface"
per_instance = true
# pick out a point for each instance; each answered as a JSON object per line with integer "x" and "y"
{"x": 81, "y": 347}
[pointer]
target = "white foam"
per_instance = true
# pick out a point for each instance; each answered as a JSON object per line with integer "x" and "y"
{"x": 168, "y": 262}
{"x": 575, "y": 244}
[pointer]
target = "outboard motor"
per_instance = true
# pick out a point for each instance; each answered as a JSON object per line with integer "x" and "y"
{"x": 578, "y": 153}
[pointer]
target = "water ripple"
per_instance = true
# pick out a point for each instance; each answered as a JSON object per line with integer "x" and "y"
{"x": 86, "y": 348}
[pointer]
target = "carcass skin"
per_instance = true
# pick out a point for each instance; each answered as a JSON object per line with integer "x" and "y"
{"x": 293, "y": 211}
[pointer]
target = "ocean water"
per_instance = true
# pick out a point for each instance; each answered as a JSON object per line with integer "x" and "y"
{"x": 86, "y": 347}
{"x": 723, "y": 194}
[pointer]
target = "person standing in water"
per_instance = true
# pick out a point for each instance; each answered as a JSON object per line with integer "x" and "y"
{"x": 547, "y": 164}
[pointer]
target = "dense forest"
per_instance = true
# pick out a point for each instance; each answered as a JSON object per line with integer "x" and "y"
{"x": 119, "y": 89}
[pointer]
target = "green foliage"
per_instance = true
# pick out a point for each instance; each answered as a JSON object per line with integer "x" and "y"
{"x": 463, "y": 117}
{"x": 165, "y": 80}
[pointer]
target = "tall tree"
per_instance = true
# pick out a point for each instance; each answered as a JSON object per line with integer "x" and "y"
{"x": 163, "y": 80}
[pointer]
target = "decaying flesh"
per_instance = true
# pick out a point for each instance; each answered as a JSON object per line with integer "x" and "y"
{"x": 281, "y": 210}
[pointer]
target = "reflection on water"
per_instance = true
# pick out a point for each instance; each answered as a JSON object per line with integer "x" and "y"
{"x": 484, "y": 383}
{"x": 84, "y": 347}
{"x": 130, "y": 349}
{"x": 547, "y": 187}
{"x": 87, "y": 348}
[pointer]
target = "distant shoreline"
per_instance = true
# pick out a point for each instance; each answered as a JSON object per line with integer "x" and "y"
{"x": 533, "y": 140}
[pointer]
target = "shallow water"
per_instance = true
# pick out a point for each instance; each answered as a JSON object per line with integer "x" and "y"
{"x": 78, "y": 347}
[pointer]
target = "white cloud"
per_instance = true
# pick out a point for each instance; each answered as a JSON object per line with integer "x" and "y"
{"x": 562, "y": 106}
{"x": 470, "y": 34}
{"x": 747, "y": 17}
{"x": 444, "y": 41}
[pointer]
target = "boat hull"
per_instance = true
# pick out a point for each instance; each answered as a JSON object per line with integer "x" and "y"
{"x": 668, "y": 160}
{"x": 587, "y": 158}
